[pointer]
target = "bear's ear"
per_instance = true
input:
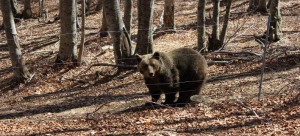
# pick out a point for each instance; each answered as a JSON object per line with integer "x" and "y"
{"x": 156, "y": 55}
{"x": 138, "y": 58}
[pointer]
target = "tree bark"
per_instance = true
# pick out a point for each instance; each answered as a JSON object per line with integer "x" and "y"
{"x": 41, "y": 7}
{"x": 168, "y": 17}
{"x": 67, "y": 47}
{"x": 121, "y": 42}
{"x": 27, "y": 13}
{"x": 262, "y": 7}
{"x": 226, "y": 20}
{"x": 216, "y": 20}
{"x": 21, "y": 73}
{"x": 88, "y": 5}
{"x": 145, "y": 38}
{"x": 253, "y": 5}
{"x": 214, "y": 41}
{"x": 201, "y": 25}
{"x": 14, "y": 8}
{"x": 81, "y": 48}
{"x": 275, "y": 29}
{"x": 99, "y": 5}
{"x": 128, "y": 15}
{"x": 103, "y": 29}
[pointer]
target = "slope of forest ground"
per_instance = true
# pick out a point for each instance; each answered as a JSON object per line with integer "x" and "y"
{"x": 95, "y": 100}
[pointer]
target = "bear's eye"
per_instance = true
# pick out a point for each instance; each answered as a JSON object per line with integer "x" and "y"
{"x": 145, "y": 66}
{"x": 153, "y": 65}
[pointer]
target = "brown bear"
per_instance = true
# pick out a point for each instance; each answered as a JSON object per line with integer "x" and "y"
{"x": 182, "y": 70}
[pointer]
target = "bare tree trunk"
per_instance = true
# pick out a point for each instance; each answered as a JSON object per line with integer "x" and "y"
{"x": 253, "y": 5}
{"x": 88, "y": 5}
{"x": 103, "y": 29}
{"x": 21, "y": 73}
{"x": 15, "y": 9}
{"x": 77, "y": 14}
{"x": 121, "y": 42}
{"x": 226, "y": 20}
{"x": 169, "y": 15}
{"x": 145, "y": 38}
{"x": 128, "y": 15}
{"x": 275, "y": 30}
{"x": 214, "y": 40}
{"x": 269, "y": 4}
{"x": 41, "y": 7}
{"x": 216, "y": 20}
{"x": 201, "y": 25}
{"x": 262, "y": 7}
{"x": 81, "y": 48}
{"x": 99, "y": 5}
{"x": 43, "y": 13}
{"x": 27, "y": 13}
{"x": 67, "y": 47}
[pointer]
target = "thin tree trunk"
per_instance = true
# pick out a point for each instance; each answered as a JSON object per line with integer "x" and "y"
{"x": 128, "y": 15}
{"x": 269, "y": 4}
{"x": 68, "y": 35}
{"x": 168, "y": 17}
{"x": 226, "y": 20}
{"x": 262, "y": 7}
{"x": 99, "y": 5}
{"x": 216, "y": 20}
{"x": 201, "y": 25}
{"x": 41, "y": 7}
{"x": 77, "y": 14}
{"x": 27, "y": 13}
{"x": 214, "y": 41}
{"x": 81, "y": 48}
{"x": 14, "y": 8}
{"x": 253, "y": 5}
{"x": 275, "y": 30}
{"x": 88, "y": 5}
{"x": 103, "y": 29}
{"x": 21, "y": 73}
{"x": 121, "y": 43}
{"x": 145, "y": 38}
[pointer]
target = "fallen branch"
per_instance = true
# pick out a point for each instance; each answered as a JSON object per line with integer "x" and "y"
{"x": 226, "y": 61}
{"x": 43, "y": 52}
{"x": 212, "y": 62}
{"x": 241, "y": 52}
{"x": 115, "y": 65}
{"x": 73, "y": 79}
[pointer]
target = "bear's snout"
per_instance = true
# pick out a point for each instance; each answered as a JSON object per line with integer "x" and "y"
{"x": 151, "y": 74}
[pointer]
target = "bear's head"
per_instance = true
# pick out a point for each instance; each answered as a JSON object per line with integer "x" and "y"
{"x": 149, "y": 65}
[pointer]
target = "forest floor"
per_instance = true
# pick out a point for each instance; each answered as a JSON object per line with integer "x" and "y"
{"x": 95, "y": 100}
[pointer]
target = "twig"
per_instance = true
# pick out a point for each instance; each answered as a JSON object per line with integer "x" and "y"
{"x": 235, "y": 35}
{"x": 245, "y": 106}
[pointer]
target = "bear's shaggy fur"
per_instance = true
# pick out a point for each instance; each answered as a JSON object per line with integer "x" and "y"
{"x": 182, "y": 70}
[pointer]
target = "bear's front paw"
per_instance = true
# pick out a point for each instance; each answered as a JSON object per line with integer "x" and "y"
{"x": 169, "y": 104}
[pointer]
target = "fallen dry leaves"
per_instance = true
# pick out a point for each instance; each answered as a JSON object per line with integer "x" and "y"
{"x": 93, "y": 101}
